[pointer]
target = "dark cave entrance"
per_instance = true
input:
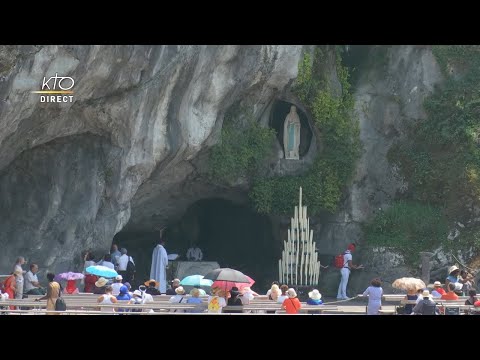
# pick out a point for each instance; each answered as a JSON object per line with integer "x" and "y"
{"x": 278, "y": 114}
{"x": 231, "y": 234}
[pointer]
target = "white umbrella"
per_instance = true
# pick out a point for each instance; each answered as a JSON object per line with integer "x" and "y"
{"x": 409, "y": 283}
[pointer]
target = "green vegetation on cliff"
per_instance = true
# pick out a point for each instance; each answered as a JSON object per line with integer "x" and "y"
{"x": 243, "y": 148}
{"x": 409, "y": 226}
{"x": 440, "y": 156}
{"x": 332, "y": 112}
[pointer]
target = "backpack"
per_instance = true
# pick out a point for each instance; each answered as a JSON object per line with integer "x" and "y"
{"x": 60, "y": 303}
{"x": 428, "y": 307}
{"x": 339, "y": 261}
{"x": 130, "y": 267}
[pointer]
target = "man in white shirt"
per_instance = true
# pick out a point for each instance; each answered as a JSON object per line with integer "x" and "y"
{"x": 345, "y": 272}
{"x": 123, "y": 263}
{"x": 32, "y": 286}
{"x": 194, "y": 253}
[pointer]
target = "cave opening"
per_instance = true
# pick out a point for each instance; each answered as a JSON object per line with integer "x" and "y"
{"x": 278, "y": 114}
{"x": 231, "y": 234}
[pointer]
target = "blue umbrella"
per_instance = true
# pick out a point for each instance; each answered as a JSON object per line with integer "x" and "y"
{"x": 195, "y": 280}
{"x": 100, "y": 270}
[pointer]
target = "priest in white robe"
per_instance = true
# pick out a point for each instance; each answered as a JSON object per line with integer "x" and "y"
{"x": 158, "y": 270}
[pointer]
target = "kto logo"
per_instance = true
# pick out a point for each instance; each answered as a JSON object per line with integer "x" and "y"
{"x": 58, "y": 85}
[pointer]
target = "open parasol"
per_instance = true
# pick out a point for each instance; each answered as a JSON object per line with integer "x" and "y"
{"x": 69, "y": 276}
{"x": 229, "y": 284}
{"x": 195, "y": 280}
{"x": 409, "y": 283}
{"x": 100, "y": 270}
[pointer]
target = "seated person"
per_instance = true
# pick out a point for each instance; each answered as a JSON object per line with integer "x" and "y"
{"x": 472, "y": 299}
{"x": 201, "y": 292}
{"x": 450, "y": 295}
{"x": 175, "y": 284}
{"x": 123, "y": 295}
{"x": 100, "y": 286}
{"x": 438, "y": 291}
{"x": 71, "y": 287}
{"x": 195, "y": 299}
{"x": 234, "y": 300}
{"x": 247, "y": 295}
{"x": 194, "y": 253}
{"x": 139, "y": 298}
{"x": 427, "y": 306}
{"x": 216, "y": 301}
{"x": 467, "y": 280}
{"x": 152, "y": 287}
{"x": 314, "y": 298}
{"x": 32, "y": 286}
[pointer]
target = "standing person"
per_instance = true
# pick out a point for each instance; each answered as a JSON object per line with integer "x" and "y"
{"x": 107, "y": 261}
{"x": 374, "y": 293}
{"x": 115, "y": 254}
{"x": 10, "y": 285}
{"x": 53, "y": 293}
{"x": 455, "y": 278}
{"x": 89, "y": 279}
{"x": 345, "y": 272}
{"x": 158, "y": 270}
{"x": 123, "y": 265}
{"x": 18, "y": 266}
{"x": 194, "y": 253}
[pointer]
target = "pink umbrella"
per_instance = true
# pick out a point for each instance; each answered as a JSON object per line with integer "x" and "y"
{"x": 71, "y": 277}
{"x": 227, "y": 285}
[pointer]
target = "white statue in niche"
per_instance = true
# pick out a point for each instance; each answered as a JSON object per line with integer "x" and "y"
{"x": 291, "y": 134}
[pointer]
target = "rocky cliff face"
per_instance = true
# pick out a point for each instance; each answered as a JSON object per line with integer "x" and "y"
{"x": 126, "y": 150}
{"x": 70, "y": 172}
{"x": 388, "y": 96}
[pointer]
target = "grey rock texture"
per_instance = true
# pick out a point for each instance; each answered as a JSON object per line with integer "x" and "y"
{"x": 386, "y": 99}
{"x": 388, "y": 96}
{"x": 129, "y": 152}
{"x": 74, "y": 174}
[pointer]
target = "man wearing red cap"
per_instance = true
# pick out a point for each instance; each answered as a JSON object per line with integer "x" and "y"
{"x": 345, "y": 272}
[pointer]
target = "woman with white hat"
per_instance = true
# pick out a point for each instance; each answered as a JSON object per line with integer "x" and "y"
{"x": 291, "y": 305}
{"x": 314, "y": 298}
{"x": 453, "y": 276}
{"x": 179, "y": 298}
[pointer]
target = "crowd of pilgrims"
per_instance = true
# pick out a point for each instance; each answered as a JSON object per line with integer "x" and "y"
{"x": 21, "y": 283}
